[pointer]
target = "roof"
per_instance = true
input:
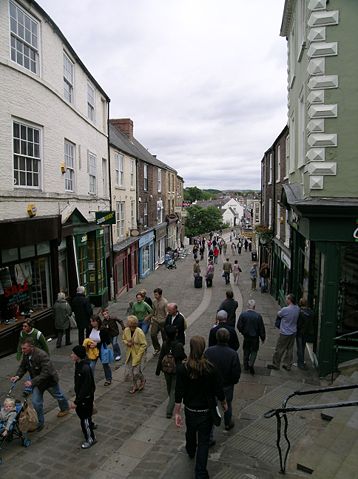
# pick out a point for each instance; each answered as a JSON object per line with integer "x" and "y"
{"x": 286, "y": 17}
{"x": 68, "y": 45}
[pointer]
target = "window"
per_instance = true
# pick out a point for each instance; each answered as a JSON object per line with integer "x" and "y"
{"x": 145, "y": 174}
{"x": 104, "y": 178}
{"x": 270, "y": 213}
{"x": 92, "y": 172}
{"x": 27, "y": 160}
{"x": 287, "y": 165}
{"x": 159, "y": 180}
{"x": 145, "y": 215}
{"x": 292, "y": 56}
{"x": 287, "y": 230}
{"x": 67, "y": 78}
{"x": 270, "y": 169}
{"x": 278, "y": 163}
{"x": 70, "y": 166}
{"x": 278, "y": 220}
{"x": 133, "y": 225}
{"x": 132, "y": 173}
{"x": 160, "y": 211}
{"x": 119, "y": 161}
{"x": 90, "y": 102}
{"x": 120, "y": 211}
{"x": 301, "y": 21}
{"x": 24, "y": 38}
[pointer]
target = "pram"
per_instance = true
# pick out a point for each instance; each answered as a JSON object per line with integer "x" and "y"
{"x": 170, "y": 261}
{"x": 14, "y": 431}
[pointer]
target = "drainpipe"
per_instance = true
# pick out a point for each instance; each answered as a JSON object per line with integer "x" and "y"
{"x": 111, "y": 282}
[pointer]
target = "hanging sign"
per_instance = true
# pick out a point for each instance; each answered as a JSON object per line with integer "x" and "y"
{"x": 105, "y": 218}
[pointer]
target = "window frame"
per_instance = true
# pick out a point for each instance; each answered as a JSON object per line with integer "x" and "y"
{"x": 26, "y": 157}
{"x": 270, "y": 168}
{"x": 145, "y": 214}
{"x": 145, "y": 177}
{"x": 22, "y": 40}
{"x": 92, "y": 172}
{"x": 159, "y": 180}
{"x": 133, "y": 225}
{"x": 278, "y": 164}
{"x": 119, "y": 168}
{"x": 120, "y": 218}
{"x": 132, "y": 173}
{"x": 91, "y": 102}
{"x": 66, "y": 81}
{"x": 70, "y": 170}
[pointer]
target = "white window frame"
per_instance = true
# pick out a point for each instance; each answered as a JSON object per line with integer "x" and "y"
{"x": 270, "y": 169}
{"x": 132, "y": 173}
{"x": 120, "y": 218}
{"x": 133, "y": 225}
{"x": 278, "y": 164}
{"x": 287, "y": 230}
{"x": 270, "y": 213}
{"x": 145, "y": 214}
{"x": 91, "y": 102}
{"x": 69, "y": 159}
{"x": 278, "y": 220}
{"x": 160, "y": 210}
{"x": 92, "y": 173}
{"x": 68, "y": 77}
{"x": 27, "y": 155}
{"x": 119, "y": 167}
{"x": 287, "y": 159}
{"x": 159, "y": 180}
{"x": 145, "y": 177}
{"x": 24, "y": 38}
{"x": 301, "y": 24}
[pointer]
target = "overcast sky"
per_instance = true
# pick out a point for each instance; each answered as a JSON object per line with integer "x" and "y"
{"x": 204, "y": 81}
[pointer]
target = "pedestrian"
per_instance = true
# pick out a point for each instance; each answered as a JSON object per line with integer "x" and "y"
{"x": 173, "y": 347}
{"x": 198, "y": 385}
{"x": 246, "y": 244}
{"x": 29, "y": 332}
{"x": 196, "y": 268}
{"x": 228, "y": 363}
{"x": 221, "y": 322}
{"x": 251, "y": 326}
{"x": 136, "y": 344}
{"x": 229, "y": 305}
{"x": 7, "y": 416}
{"x": 62, "y": 311}
{"x": 239, "y": 246}
{"x": 216, "y": 253}
{"x": 253, "y": 276}
{"x": 250, "y": 245}
{"x": 233, "y": 248}
{"x": 174, "y": 318}
{"x": 201, "y": 251}
{"x": 110, "y": 323}
{"x": 82, "y": 309}
{"x": 305, "y": 331}
{"x": 209, "y": 275}
{"x": 160, "y": 311}
{"x": 211, "y": 254}
{"x": 287, "y": 318}
{"x": 224, "y": 248}
{"x": 98, "y": 338}
{"x": 142, "y": 311}
{"x": 264, "y": 275}
{"x": 146, "y": 298}
{"x": 227, "y": 268}
{"x": 195, "y": 251}
{"x": 236, "y": 271}
{"x": 84, "y": 391}
{"x": 43, "y": 377}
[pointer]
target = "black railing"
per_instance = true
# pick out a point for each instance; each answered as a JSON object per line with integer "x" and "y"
{"x": 281, "y": 413}
{"x": 345, "y": 342}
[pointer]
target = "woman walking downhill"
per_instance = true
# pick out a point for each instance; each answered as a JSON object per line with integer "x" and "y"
{"x": 173, "y": 347}
{"x": 236, "y": 271}
{"x": 97, "y": 339}
{"x": 198, "y": 384}
{"x": 142, "y": 311}
{"x": 136, "y": 344}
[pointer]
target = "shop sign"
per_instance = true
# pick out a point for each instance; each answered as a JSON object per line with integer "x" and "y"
{"x": 105, "y": 218}
{"x": 146, "y": 238}
{"x": 84, "y": 239}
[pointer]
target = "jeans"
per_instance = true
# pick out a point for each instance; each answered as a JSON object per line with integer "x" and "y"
{"x": 38, "y": 400}
{"x": 170, "y": 380}
{"x": 106, "y": 368}
{"x": 301, "y": 346}
{"x": 144, "y": 326}
{"x": 250, "y": 347}
{"x": 227, "y": 277}
{"x": 198, "y": 428}
{"x": 115, "y": 346}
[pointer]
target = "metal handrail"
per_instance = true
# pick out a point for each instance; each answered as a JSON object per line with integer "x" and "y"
{"x": 281, "y": 412}
{"x": 335, "y": 349}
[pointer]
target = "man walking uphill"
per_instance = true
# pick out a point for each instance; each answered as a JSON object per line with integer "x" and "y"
{"x": 82, "y": 308}
{"x": 288, "y": 317}
{"x": 251, "y": 326}
{"x": 158, "y": 319}
{"x": 227, "y": 268}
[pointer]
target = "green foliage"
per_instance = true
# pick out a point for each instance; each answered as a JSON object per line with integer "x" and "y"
{"x": 193, "y": 193}
{"x": 202, "y": 220}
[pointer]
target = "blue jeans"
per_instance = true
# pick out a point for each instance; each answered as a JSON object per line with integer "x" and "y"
{"x": 198, "y": 428}
{"x": 144, "y": 326}
{"x": 38, "y": 400}
{"x": 106, "y": 368}
{"x": 115, "y": 346}
{"x": 227, "y": 277}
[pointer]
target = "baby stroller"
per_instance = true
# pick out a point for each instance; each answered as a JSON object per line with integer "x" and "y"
{"x": 15, "y": 431}
{"x": 170, "y": 261}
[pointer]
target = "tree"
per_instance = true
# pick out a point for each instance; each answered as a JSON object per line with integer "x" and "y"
{"x": 193, "y": 193}
{"x": 201, "y": 221}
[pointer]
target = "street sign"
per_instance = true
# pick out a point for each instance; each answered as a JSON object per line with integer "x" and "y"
{"x": 105, "y": 218}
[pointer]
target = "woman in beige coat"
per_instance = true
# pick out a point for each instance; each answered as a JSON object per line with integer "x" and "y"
{"x": 136, "y": 346}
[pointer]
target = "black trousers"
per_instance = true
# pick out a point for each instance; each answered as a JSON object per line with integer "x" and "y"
{"x": 198, "y": 428}
{"x": 60, "y": 335}
{"x": 250, "y": 347}
{"x": 84, "y": 411}
{"x": 81, "y": 334}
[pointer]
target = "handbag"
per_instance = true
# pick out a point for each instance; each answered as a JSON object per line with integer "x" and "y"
{"x": 106, "y": 355}
{"x": 73, "y": 324}
{"x": 278, "y": 322}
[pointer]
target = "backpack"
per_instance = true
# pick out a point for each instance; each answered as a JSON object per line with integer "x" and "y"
{"x": 168, "y": 363}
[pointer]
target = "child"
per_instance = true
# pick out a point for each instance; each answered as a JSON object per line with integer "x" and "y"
{"x": 7, "y": 416}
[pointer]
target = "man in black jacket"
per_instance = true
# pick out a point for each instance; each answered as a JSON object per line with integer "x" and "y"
{"x": 84, "y": 389}
{"x": 251, "y": 326}
{"x": 228, "y": 363}
{"x": 176, "y": 319}
{"x": 221, "y": 319}
{"x": 82, "y": 309}
{"x": 43, "y": 377}
{"x": 230, "y": 305}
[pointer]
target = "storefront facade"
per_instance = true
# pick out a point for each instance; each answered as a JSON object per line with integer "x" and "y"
{"x": 146, "y": 254}
{"x": 172, "y": 239}
{"x": 125, "y": 262}
{"x": 28, "y": 276}
{"x": 160, "y": 244}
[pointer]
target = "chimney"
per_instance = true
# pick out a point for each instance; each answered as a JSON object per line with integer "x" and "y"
{"x": 125, "y": 125}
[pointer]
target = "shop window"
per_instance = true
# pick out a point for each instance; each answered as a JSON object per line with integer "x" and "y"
{"x": 145, "y": 256}
{"x": 347, "y": 294}
{"x": 25, "y": 287}
{"x": 27, "y": 251}
{"x": 96, "y": 264}
{"x": 9, "y": 255}
{"x": 120, "y": 275}
{"x": 82, "y": 264}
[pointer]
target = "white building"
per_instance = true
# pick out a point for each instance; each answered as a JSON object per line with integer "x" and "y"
{"x": 53, "y": 164}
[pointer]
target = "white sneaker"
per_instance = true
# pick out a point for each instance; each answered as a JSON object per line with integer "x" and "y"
{"x": 117, "y": 358}
{"x": 88, "y": 444}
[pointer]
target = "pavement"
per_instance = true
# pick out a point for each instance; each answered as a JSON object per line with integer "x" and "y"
{"x": 135, "y": 439}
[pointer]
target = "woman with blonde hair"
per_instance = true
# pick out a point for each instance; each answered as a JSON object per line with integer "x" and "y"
{"x": 136, "y": 345}
{"x": 198, "y": 384}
